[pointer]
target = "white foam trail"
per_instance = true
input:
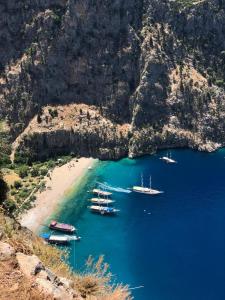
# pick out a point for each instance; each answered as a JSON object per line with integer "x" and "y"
{"x": 105, "y": 185}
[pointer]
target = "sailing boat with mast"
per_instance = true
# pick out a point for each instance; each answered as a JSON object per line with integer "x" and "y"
{"x": 168, "y": 159}
{"x": 146, "y": 190}
{"x": 101, "y": 201}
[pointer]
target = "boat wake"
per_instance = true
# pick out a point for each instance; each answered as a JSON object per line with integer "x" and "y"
{"x": 106, "y": 186}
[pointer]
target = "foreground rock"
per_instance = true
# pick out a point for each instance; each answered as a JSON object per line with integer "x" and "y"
{"x": 6, "y": 251}
{"x": 46, "y": 281}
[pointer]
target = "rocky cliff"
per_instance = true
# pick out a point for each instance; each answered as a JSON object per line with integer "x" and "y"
{"x": 154, "y": 68}
{"x": 32, "y": 270}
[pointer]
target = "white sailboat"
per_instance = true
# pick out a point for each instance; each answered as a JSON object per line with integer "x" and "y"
{"x": 103, "y": 210}
{"x": 101, "y": 193}
{"x": 168, "y": 159}
{"x": 101, "y": 201}
{"x": 146, "y": 190}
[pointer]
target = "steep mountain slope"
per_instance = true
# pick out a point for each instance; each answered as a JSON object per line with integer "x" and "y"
{"x": 155, "y": 66}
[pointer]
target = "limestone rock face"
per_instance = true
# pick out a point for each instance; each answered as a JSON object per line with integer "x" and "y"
{"x": 6, "y": 251}
{"x": 156, "y": 65}
{"x": 27, "y": 263}
{"x": 47, "y": 282}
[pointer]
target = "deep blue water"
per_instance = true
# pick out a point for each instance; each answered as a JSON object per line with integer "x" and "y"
{"x": 178, "y": 251}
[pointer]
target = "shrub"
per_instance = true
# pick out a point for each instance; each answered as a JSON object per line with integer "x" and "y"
{"x": 23, "y": 194}
{"x": 4, "y": 159}
{"x": 220, "y": 82}
{"x": 33, "y": 198}
{"x": 23, "y": 171}
{"x": 53, "y": 112}
{"x": 13, "y": 192}
{"x": 9, "y": 205}
{"x": 57, "y": 19}
{"x": 43, "y": 171}
{"x": 3, "y": 189}
{"x": 34, "y": 172}
{"x": 17, "y": 184}
{"x": 50, "y": 164}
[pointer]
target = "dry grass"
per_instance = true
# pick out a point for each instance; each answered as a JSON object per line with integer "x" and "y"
{"x": 10, "y": 177}
{"x": 51, "y": 257}
{"x": 96, "y": 281}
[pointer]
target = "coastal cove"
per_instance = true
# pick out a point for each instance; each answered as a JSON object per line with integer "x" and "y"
{"x": 59, "y": 185}
{"x": 172, "y": 244}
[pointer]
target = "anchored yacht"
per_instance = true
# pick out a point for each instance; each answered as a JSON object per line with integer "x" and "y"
{"x": 168, "y": 159}
{"x": 146, "y": 190}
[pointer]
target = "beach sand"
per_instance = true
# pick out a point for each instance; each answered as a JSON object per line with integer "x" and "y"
{"x": 61, "y": 180}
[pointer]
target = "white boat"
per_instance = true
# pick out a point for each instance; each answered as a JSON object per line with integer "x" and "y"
{"x": 103, "y": 210}
{"x": 101, "y": 193}
{"x": 55, "y": 239}
{"x": 168, "y": 159}
{"x": 59, "y": 239}
{"x": 146, "y": 190}
{"x": 101, "y": 201}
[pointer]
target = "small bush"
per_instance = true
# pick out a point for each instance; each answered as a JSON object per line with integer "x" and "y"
{"x": 34, "y": 172}
{"x": 17, "y": 184}
{"x": 50, "y": 164}
{"x": 53, "y": 112}
{"x": 9, "y": 205}
{"x": 43, "y": 171}
{"x": 23, "y": 171}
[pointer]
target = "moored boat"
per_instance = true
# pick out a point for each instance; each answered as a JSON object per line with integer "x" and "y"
{"x": 62, "y": 227}
{"x": 101, "y": 201}
{"x": 103, "y": 210}
{"x": 55, "y": 239}
{"x": 146, "y": 190}
{"x": 101, "y": 193}
{"x": 168, "y": 159}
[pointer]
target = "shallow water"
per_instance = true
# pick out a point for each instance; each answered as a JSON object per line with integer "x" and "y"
{"x": 174, "y": 243}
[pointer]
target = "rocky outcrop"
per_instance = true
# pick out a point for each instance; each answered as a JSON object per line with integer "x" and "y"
{"x": 155, "y": 65}
{"x": 73, "y": 129}
{"x": 6, "y": 251}
{"x": 44, "y": 279}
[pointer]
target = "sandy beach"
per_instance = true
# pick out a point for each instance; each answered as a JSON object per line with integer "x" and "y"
{"x": 62, "y": 178}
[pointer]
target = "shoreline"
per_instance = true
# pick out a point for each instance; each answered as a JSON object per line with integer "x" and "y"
{"x": 61, "y": 180}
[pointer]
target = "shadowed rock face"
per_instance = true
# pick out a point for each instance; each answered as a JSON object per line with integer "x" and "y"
{"x": 156, "y": 65}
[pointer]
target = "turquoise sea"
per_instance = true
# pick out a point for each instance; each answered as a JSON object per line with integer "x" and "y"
{"x": 172, "y": 244}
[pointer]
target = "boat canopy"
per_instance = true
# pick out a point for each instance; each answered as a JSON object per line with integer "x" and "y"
{"x": 45, "y": 235}
{"x": 60, "y": 238}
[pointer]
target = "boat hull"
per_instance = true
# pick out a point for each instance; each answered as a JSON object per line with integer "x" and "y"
{"x": 168, "y": 160}
{"x": 62, "y": 229}
{"x": 57, "y": 242}
{"x": 101, "y": 193}
{"x": 101, "y": 210}
{"x": 102, "y": 202}
{"x": 103, "y": 213}
{"x": 152, "y": 192}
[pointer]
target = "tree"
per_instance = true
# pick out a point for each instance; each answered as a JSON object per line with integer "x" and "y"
{"x": 3, "y": 189}
{"x": 17, "y": 184}
{"x": 23, "y": 171}
{"x": 35, "y": 172}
